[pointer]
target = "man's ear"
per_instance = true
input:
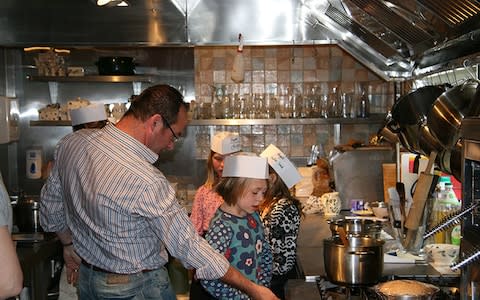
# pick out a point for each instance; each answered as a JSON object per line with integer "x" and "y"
{"x": 153, "y": 121}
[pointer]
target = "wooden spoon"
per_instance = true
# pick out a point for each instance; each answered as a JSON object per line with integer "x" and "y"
{"x": 343, "y": 236}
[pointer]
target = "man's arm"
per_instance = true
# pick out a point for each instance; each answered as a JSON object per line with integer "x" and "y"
{"x": 257, "y": 292}
{"x": 11, "y": 277}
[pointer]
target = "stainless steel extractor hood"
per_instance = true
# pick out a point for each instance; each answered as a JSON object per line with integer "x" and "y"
{"x": 394, "y": 38}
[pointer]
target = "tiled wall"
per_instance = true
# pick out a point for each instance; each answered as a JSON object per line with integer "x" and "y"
{"x": 267, "y": 69}
{"x": 270, "y": 68}
{"x": 294, "y": 140}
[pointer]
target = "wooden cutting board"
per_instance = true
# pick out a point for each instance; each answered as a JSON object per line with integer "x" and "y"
{"x": 421, "y": 194}
{"x": 389, "y": 178}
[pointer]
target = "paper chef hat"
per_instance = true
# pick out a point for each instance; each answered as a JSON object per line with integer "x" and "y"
{"x": 245, "y": 165}
{"x": 87, "y": 114}
{"x": 282, "y": 165}
{"x": 225, "y": 142}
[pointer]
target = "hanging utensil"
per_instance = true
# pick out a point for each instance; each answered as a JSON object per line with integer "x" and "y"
{"x": 400, "y": 187}
{"x": 449, "y": 221}
{"x": 238, "y": 71}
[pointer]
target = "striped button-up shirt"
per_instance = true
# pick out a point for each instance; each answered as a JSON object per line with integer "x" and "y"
{"x": 121, "y": 210}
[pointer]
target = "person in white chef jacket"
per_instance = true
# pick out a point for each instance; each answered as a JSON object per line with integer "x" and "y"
{"x": 88, "y": 117}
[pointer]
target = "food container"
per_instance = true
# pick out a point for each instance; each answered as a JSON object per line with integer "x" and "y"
{"x": 116, "y": 65}
{"x": 358, "y": 264}
{"x": 405, "y": 290}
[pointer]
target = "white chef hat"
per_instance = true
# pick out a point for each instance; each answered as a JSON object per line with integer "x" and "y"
{"x": 224, "y": 142}
{"x": 245, "y": 165}
{"x": 90, "y": 113}
{"x": 282, "y": 165}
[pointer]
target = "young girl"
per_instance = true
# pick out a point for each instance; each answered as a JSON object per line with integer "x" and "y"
{"x": 236, "y": 229}
{"x": 206, "y": 200}
{"x": 281, "y": 217}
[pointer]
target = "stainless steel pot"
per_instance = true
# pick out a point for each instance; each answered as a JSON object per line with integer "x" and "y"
{"x": 410, "y": 112}
{"x": 356, "y": 227}
{"x": 448, "y": 111}
{"x": 358, "y": 264}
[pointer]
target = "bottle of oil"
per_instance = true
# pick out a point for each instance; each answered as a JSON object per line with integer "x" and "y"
{"x": 445, "y": 203}
{"x": 439, "y": 211}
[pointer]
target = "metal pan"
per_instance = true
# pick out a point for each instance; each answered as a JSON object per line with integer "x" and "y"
{"x": 448, "y": 111}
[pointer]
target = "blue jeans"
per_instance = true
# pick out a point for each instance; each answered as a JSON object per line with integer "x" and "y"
{"x": 140, "y": 286}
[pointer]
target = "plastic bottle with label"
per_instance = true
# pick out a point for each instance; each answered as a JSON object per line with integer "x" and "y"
{"x": 446, "y": 203}
{"x": 34, "y": 158}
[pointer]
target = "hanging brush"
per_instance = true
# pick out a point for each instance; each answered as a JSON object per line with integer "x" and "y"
{"x": 449, "y": 221}
{"x": 471, "y": 256}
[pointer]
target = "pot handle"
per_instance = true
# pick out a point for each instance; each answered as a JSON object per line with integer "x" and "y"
{"x": 361, "y": 252}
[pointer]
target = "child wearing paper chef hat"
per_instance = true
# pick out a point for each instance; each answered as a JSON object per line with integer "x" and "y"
{"x": 281, "y": 213}
{"x": 91, "y": 116}
{"x": 236, "y": 229}
{"x": 206, "y": 200}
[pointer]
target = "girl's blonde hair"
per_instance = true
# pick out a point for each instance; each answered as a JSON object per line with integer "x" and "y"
{"x": 212, "y": 176}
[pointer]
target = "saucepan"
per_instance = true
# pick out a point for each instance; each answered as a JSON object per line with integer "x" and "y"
{"x": 410, "y": 112}
{"x": 359, "y": 263}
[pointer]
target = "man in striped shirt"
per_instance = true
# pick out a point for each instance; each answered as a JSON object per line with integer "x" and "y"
{"x": 116, "y": 213}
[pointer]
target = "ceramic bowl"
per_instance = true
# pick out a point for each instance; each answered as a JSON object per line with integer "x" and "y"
{"x": 442, "y": 254}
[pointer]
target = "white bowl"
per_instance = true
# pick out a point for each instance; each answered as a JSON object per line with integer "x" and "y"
{"x": 442, "y": 254}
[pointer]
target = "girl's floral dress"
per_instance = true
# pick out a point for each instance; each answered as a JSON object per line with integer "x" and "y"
{"x": 242, "y": 241}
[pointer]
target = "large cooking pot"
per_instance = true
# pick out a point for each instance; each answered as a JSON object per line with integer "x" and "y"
{"x": 448, "y": 111}
{"x": 116, "y": 65}
{"x": 358, "y": 264}
{"x": 27, "y": 215}
{"x": 409, "y": 112}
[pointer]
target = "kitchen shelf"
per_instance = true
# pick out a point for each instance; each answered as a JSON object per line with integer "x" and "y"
{"x": 93, "y": 78}
{"x": 375, "y": 118}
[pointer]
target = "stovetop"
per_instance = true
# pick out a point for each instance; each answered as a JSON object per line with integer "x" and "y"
{"x": 331, "y": 291}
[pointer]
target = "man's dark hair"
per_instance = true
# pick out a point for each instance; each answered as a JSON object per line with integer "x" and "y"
{"x": 159, "y": 99}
